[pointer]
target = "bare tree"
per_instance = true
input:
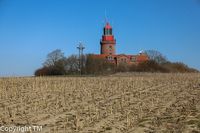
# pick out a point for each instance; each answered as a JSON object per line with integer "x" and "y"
{"x": 54, "y": 64}
{"x": 95, "y": 65}
{"x": 156, "y": 56}
{"x": 54, "y": 57}
{"x": 72, "y": 64}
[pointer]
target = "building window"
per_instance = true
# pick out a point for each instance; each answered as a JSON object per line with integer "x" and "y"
{"x": 107, "y": 31}
{"x": 133, "y": 59}
{"x": 110, "y": 31}
{"x": 110, "y": 48}
{"x": 123, "y": 60}
{"x": 109, "y": 58}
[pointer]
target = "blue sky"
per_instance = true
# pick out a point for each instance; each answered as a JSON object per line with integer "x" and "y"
{"x": 30, "y": 29}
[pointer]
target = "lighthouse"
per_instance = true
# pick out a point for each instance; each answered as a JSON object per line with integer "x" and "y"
{"x": 108, "y": 50}
{"x": 108, "y": 41}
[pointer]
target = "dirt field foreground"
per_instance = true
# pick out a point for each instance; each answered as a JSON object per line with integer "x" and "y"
{"x": 135, "y": 103}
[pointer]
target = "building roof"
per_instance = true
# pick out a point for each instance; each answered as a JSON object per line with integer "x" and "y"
{"x": 139, "y": 57}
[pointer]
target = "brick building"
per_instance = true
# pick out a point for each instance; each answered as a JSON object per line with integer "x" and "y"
{"x": 108, "y": 50}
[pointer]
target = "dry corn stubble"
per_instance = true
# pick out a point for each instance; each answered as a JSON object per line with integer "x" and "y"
{"x": 136, "y": 103}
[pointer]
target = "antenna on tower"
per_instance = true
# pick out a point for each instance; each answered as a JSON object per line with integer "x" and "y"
{"x": 80, "y": 49}
{"x": 112, "y": 23}
{"x": 105, "y": 16}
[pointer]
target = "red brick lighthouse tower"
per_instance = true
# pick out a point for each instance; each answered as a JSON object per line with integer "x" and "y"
{"x": 108, "y": 41}
{"x": 107, "y": 52}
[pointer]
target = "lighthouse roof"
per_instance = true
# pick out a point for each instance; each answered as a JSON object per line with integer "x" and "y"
{"x": 108, "y": 26}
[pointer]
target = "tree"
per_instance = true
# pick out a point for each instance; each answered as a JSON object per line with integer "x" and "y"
{"x": 96, "y": 65}
{"x": 151, "y": 66}
{"x": 54, "y": 64}
{"x": 72, "y": 64}
{"x": 42, "y": 71}
{"x": 123, "y": 67}
{"x": 57, "y": 64}
{"x": 178, "y": 67}
{"x": 54, "y": 57}
{"x": 156, "y": 56}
